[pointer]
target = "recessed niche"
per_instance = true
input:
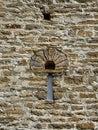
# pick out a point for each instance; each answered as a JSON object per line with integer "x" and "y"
{"x": 51, "y": 61}
{"x": 47, "y": 16}
{"x": 50, "y": 65}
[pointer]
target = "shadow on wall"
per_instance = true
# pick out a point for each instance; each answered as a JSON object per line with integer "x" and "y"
{"x": 62, "y": 1}
{"x": 38, "y": 126}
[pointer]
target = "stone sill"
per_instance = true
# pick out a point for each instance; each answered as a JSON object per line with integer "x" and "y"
{"x": 41, "y": 70}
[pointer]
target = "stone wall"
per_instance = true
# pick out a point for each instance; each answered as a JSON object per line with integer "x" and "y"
{"x": 27, "y": 26}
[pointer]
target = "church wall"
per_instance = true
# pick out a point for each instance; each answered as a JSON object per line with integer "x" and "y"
{"x": 27, "y": 26}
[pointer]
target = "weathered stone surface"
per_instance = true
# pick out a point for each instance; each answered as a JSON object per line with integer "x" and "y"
{"x": 45, "y": 120}
{"x": 22, "y": 62}
{"x": 43, "y": 106}
{"x": 67, "y": 36}
{"x": 85, "y": 126}
{"x": 82, "y": 33}
{"x": 74, "y": 119}
{"x": 92, "y": 54}
{"x": 55, "y": 113}
{"x": 58, "y": 106}
{"x": 83, "y": 1}
{"x": 13, "y": 26}
{"x": 4, "y": 79}
{"x": 27, "y": 39}
{"x": 93, "y": 106}
{"x": 89, "y": 22}
{"x": 58, "y": 95}
{"x": 41, "y": 95}
{"x": 77, "y": 107}
{"x": 60, "y": 126}
{"x": 7, "y": 119}
{"x": 73, "y": 80}
{"x": 29, "y": 105}
{"x": 59, "y": 119}
{"x": 82, "y": 95}
{"x": 38, "y": 126}
{"x": 19, "y": 112}
{"x": 38, "y": 113}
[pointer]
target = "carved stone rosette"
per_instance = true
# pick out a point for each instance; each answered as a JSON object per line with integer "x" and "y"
{"x": 50, "y": 55}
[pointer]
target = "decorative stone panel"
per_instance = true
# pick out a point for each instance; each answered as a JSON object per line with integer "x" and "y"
{"x": 43, "y": 60}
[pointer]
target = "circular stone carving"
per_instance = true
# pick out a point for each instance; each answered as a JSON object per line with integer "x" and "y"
{"x": 50, "y": 54}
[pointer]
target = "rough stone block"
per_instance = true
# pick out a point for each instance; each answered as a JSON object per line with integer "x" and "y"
{"x": 77, "y": 108}
{"x": 15, "y": 111}
{"x": 43, "y": 106}
{"x": 83, "y": 95}
{"x": 73, "y": 80}
{"x": 36, "y": 112}
{"x": 92, "y": 54}
{"x": 88, "y": 125}
{"x": 13, "y": 26}
{"x": 60, "y": 126}
{"x": 58, "y": 95}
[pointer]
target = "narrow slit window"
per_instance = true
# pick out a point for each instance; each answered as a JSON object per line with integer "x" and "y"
{"x": 51, "y": 66}
{"x": 47, "y": 16}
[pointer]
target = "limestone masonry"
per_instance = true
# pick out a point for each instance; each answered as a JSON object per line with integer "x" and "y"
{"x": 35, "y": 33}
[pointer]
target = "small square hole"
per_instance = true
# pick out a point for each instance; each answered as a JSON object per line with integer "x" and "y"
{"x": 47, "y": 16}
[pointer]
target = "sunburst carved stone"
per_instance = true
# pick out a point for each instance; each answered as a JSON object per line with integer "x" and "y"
{"x": 50, "y": 59}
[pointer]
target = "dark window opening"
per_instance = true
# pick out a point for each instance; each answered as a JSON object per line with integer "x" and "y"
{"x": 50, "y": 65}
{"x": 47, "y": 16}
